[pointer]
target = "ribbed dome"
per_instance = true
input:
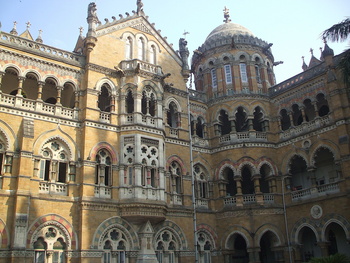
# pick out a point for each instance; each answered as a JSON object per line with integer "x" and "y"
{"x": 228, "y": 29}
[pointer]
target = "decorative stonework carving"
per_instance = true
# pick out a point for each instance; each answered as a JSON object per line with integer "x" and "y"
{"x": 97, "y": 68}
{"x": 142, "y": 28}
{"x": 175, "y": 91}
{"x": 316, "y": 211}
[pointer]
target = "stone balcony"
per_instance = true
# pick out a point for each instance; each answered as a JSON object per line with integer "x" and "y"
{"x": 314, "y": 192}
{"x": 250, "y": 136}
{"x": 37, "y": 106}
{"x": 53, "y": 188}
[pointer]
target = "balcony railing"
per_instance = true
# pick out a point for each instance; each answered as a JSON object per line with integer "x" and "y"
{"x": 177, "y": 199}
{"x": 315, "y": 191}
{"x": 249, "y": 199}
{"x": 53, "y": 188}
{"x": 306, "y": 127}
{"x": 37, "y": 106}
{"x": 105, "y": 117}
{"x": 135, "y": 64}
{"x": 228, "y": 201}
{"x": 251, "y": 136}
{"x": 102, "y": 191}
{"x": 202, "y": 203}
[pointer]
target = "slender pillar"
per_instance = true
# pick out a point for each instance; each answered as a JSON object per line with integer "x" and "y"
{"x": 20, "y": 86}
{"x": 2, "y": 73}
{"x": 40, "y": 90}
{"x": 59, "y": 94}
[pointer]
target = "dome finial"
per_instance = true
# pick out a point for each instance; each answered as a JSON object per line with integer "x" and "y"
{"x": 227, "y": 15}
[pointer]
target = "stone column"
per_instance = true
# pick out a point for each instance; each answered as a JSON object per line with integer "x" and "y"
{"x": 254, "y": 254}
{"x": 233, "y": 126}
{"x": 2, "y": 73}
{"x": 59, "y": 94}
{"x": 194, "y": 127}
{"x": 324, "y": 248}
{"x": 291, "y": 118}
{"x": 256, "y": 179}
{"x": 302, "y": 109}
{"x": 20, "y": 86}
{"x": 316, "y": 109}
{"x": 250, "y": 124}
{"x": 40, "y": 90}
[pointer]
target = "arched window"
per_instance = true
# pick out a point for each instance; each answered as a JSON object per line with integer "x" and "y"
{"x": 258, "y": 121}
{"x": 326, "y": 168}
{"x": 68, "y": 96}
{"x": 224, "y": 123}
{"x": 309, "y": 110}
{"x": 152, "y": 55}
{"x": 231, "y": 187}
{"x": 148, "y": 102}
{"x": 30, "y": 86}
{"x": 243, "y": 72}
{"x": 176, "y": 177}
{"x": 200, "y": 127}
{"x": 166, "y": 247}
{"x": 49, "y": 92}
{"x": 10, "y": 81}
{"x": 173, "y": 115}
{"x": 114, "y": 242}
{"x": 247, "y": 183}
{"x": 228, "y": 74}
{"x": 54, "y": 162}
{"x": 129, "y": 102}
{"x": 297, "y": 115}
{"x": 265, "y": 172}
{"x": 141, "y": 48}
{"x": 128, "y": 48}
{"x": 205, "y": 246}
{"x": 5, "y": 160}
{"x": 214, "y": 80}
{"x": 322, "y": 105}
{"x": 285, "y": 120}
{"x": 241, "y": 120}
{"x": 298, "y": 169}
{"x": 104, "y": 99}
{"x": 202, "y": 191}
{"x": 103, "y": 168}
{"x": 50, "y": 238}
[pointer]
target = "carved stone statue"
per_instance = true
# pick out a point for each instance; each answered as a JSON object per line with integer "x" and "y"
{"x": 184, "y": 53}
{"x": 92, "y": 11}
{"x": 139, "y": 7}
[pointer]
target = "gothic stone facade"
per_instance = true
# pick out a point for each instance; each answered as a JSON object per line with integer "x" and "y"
{"x": 107, "y": 156}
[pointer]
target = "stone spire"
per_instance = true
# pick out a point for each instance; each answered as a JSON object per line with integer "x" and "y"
{"x": 227, "y": 15}
{"x": 304, "y": 66}
{"x": 313, "y": 61}
{"x": 139, "y": 9}
{"x": 39, "y": 39}
{"x": 14, "y": 29}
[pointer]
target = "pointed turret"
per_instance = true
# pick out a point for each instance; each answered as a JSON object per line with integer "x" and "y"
{"x": 79, "y": 46}
{"x": 313, "y": 61}
{"x": 304, "y": 66}
{"x": 14, "y": 29}
{"x": 327, "y": 51}
{"x": 39, "y": 38}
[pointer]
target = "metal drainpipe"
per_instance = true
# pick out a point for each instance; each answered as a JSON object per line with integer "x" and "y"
{"x": 286, "y": 221}
{"x": 192, "y": 177}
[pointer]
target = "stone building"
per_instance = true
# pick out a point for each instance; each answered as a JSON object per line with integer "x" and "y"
{"x": 107, "y": 156}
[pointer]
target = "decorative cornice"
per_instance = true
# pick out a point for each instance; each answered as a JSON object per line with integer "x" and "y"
{"x": 175, "y": 91}
{"x": 104, "y": 70}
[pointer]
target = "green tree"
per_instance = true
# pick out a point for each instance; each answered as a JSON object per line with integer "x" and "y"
{"x": 341, "y": 32}
{"x": 336, "y": 258}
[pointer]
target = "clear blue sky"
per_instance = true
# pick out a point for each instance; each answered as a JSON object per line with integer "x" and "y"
{"x": 292, "y": 26}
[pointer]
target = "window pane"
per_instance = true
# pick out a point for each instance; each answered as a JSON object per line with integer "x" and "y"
{"x": 228, "y": 74}
{"x": 243, "y": 70}
{"x": 214, "y": 79}
{"x": 62, "y": 172}
{"x": 39, "y": 256}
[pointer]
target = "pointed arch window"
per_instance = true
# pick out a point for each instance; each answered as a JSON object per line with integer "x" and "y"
{"x": 141, "y": 48}
{"x": 128, "y": 48}
{"x": 54, "y": 163}
{"x": 5, "y": 160}
{"x": 166, "y": 247}
{"x": 201, "y": 182}
{"x": 173, "y": 115}
{"x": 103, "y": 168}
{"x": 105, "y": 98}
{"x": 152, "y": 55}
{"x": 114, "y": 242}
{"x": 257, "y": 74}
{"x": 205, "y": 247}
{"x": 129, "y": 102}
{"x": 224, "y": 123}
{"x": 50, "y": 239}
{"x": 176, "y": 178}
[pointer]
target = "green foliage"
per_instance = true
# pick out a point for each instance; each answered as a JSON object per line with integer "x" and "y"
{"x": 338, "y": 32}
{"x": 336, "y": 258}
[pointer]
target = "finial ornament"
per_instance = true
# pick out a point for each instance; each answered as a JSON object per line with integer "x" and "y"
{"x": 185, "y": 33}
{"x": 28, "y": 24}
{"x": 81, "y": 29}
{"x": 14, "y": 30}
{"x": 139, "y": 10}
{"x": 311, "y": 51}
{"x": 227, "y": 15}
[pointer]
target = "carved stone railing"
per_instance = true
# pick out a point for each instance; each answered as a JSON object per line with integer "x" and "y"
{"x": 250, "y": 136}
{"x": 314, "y": 192}
{"x": 203, "y": 203}
{"x": 148, "y": 120}
{"x": 269, "y": 198}
{"x": 249, "y": 199}
{"x": 105, "y": 117}
{"x": 196, "y": 140}
{"x": 173, "y": 132}
{"x": 37, "y": 106}
{"x": 102, "y": 191}
{"x": 197, "y": 95}
{"x": 41, "y": 49}
{"x": 228, "y": 201}
{"x": 177, "y": 199}
{"x": 306, "y": 127}
{"x": 135, "y": 64}
{"x": 53, "y": 188}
